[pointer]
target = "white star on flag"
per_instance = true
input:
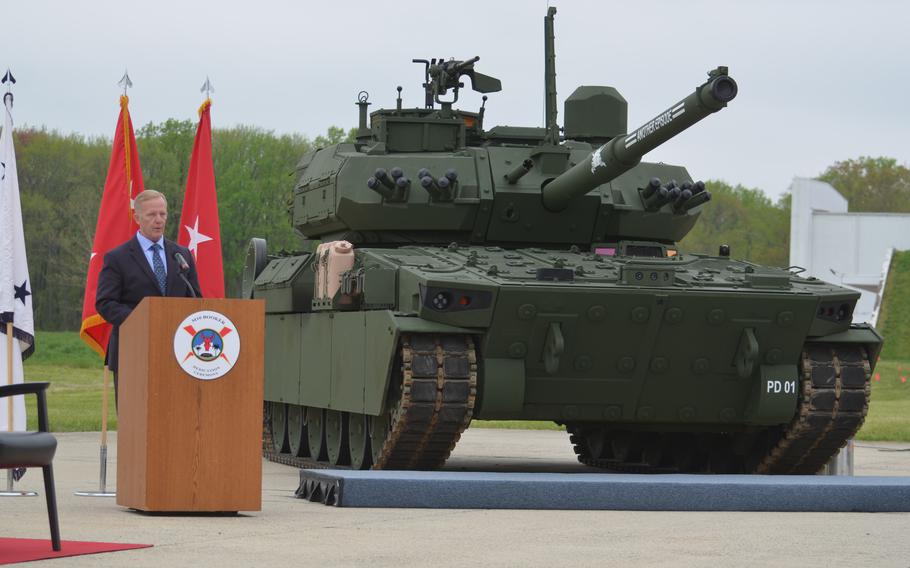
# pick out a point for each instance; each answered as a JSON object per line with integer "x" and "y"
{"x": 196, "y": 238}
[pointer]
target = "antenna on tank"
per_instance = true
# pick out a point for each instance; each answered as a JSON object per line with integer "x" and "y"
{"x": 550, "y": 77}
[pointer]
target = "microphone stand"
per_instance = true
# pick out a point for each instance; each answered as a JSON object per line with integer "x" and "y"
{"x": 188, "y": 285}
{"x": 183, "y": 268}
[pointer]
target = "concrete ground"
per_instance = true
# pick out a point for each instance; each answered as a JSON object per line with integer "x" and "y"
{"x": 291, "y": 531}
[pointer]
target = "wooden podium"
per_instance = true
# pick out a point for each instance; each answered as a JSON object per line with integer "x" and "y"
{"x": 188, "y": 439}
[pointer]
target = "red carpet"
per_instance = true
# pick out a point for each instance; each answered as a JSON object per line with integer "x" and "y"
{"x": 26, "y": 549}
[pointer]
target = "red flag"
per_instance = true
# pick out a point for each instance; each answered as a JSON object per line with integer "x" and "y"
{"x": 200, "y": 230}
{"x": 115, "y": 222}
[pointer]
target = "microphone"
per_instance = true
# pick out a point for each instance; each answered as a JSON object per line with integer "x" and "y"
{"x": 181, "y": 262}
{"x": 184, "y": 267}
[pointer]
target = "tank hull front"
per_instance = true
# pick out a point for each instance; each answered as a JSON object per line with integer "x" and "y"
{"x": 651, "y": 356}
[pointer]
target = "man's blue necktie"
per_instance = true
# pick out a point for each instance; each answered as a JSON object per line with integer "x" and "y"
{"x": 159, "y": 267}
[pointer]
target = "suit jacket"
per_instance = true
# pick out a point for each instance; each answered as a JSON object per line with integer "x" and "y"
{"x": 126, "y": 278}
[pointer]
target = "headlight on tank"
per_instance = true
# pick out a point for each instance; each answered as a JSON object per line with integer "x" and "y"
{"x": 454, "y": 300}
{"x": 836, "y": 311}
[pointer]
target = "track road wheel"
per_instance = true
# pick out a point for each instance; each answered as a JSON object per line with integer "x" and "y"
{"x": 297, "y": 438}
{"x": 721, "y": 458}
{"x": 431, "y": 398}
{"x": 359, "y": 441}
{"x": 336, "y": 437}
{"x": 598, "y": 444}
{"x": 379, "y": 429}
{"x": 315, "y": 427}
{"x": 626, "y": 447}
{"x": 279, "y": 425}
{"x": 653, "y": 449}
{"x": 686, "y": 452}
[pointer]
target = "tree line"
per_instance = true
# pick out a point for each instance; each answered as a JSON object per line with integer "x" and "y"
{"x": 61, "y": 178}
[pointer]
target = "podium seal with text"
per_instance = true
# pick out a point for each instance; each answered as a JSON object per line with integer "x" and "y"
{"x": 206, "y": 345}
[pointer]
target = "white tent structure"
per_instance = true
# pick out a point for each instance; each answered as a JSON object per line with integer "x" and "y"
{"x": 850, "y": 249}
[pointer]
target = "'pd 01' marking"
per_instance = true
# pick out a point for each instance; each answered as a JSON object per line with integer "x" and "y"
{"x": 777, "y": 387}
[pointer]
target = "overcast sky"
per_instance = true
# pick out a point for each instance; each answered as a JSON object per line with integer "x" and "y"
{"x": 819, "y": 81}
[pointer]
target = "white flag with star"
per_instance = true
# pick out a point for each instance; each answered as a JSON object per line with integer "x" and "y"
{"x": 15, "y": 285}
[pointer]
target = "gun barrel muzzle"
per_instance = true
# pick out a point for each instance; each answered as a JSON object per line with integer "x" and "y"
{"x": 623, "y": 153}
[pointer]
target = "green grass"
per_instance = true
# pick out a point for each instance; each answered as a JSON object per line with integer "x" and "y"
{"x": 896, "y": 309}
{"x": 517, "y": 424}
{"x": 76, "y": 377}
{"x": 75, "y": 374}
{"x": 889, "y": 411}
{"x": 65, "y": 349}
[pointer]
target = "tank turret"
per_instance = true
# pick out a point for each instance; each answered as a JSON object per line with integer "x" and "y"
{"x": 434, "y": 175}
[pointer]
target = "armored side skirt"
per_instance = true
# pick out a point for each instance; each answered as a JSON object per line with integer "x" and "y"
{"x": 337, "y": 360}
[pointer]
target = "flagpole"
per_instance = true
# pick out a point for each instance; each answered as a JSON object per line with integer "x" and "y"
{"x": 9, "y": 400}
{"x": 9, "y": 374}
{"x": 102, "y": 474}
{"x": 10, "y": 490}
{"x": 123, "y": 183}
{"x": 9, "y": 81}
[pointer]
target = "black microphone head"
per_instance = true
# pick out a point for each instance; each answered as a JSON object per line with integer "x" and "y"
{"x": 181, "y": 262}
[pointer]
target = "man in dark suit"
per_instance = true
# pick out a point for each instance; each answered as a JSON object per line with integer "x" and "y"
{"x": 143, "y": 266}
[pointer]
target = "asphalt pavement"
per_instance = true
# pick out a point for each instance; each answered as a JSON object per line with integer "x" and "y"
{"x": 290, "y": 531}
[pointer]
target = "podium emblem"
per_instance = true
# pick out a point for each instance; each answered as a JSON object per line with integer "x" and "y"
{"x": 206, "y": 345}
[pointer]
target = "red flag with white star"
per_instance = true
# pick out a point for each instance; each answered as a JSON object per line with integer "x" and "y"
{"x": 115, "y": 222}
{"x": 200, "y": 230}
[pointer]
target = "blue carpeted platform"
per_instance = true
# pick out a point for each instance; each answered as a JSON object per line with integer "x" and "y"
{"x": 482, "y": 490}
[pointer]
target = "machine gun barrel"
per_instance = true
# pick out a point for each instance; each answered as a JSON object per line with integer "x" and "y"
{"x": 625, "y": 152}
{"x": 467, "y": 64}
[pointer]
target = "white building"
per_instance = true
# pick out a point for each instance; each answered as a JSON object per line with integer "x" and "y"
{"x": 850, "y": 249}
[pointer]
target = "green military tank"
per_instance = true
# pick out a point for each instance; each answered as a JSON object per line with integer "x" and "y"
{"x": 525, "y": 273}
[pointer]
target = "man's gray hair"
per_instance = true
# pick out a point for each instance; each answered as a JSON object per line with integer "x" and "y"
{"x": 147, "y": 195}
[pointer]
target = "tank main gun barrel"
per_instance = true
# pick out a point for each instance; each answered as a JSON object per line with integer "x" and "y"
{"x": 625, "y": 152}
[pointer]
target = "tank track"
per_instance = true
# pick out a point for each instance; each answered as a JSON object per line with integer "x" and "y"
{"x": 438, "y": 391}
{"x": 835, "y": 392}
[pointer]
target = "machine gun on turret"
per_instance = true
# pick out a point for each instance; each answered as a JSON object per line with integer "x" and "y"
{"x": 441, "y": 75}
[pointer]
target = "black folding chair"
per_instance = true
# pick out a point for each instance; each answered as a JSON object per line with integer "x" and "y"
{"x": 33, "y": 449}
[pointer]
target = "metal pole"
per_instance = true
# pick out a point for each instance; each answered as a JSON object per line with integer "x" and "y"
{"x": 102, "y": 475}
{"x": 849, "y": 450}
{"x": 842, "y": 462}
{"x": 10, "y": 490}
{"x": 9, "y": 374}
